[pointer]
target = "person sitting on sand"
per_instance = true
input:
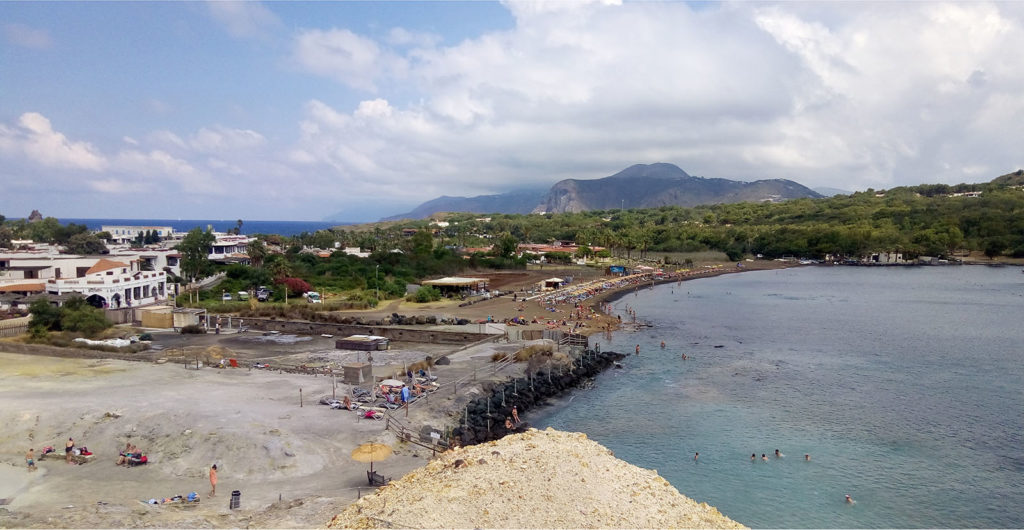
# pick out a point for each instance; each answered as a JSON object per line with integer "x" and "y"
{"x": 346, "y": 402}
{"x": 515, "y": 415}
{"x": 30, "y": 459}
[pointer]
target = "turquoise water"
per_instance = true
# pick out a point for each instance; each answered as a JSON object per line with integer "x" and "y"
{"x": 905, "y": 385}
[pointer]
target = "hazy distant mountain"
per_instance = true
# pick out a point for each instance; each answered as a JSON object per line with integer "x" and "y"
{"x": 829, "y": 192}
{"x": 522, "y": 201}
{"x": 654, "y": 185}
{"x": 638, "y": 186}
{"x": 1010, "y": 179}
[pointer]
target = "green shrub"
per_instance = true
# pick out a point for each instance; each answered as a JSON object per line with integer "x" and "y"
{"x": 427, "y": 293}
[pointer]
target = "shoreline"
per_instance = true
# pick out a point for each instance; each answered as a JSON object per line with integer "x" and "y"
{"x": 68, "y": 397}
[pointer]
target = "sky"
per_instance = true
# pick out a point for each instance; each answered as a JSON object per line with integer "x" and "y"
{"x": 360, "y": 110}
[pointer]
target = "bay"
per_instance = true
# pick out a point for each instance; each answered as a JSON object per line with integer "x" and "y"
{"x": 905, "y": 385}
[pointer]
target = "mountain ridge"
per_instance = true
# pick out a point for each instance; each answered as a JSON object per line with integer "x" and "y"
{"x": 637, "y": 186}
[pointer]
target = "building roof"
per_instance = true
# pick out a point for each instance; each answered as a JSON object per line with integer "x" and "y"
{"x": 23, "y": 288}
{"x": 455, "y": 281}
{"x": 105, "y": 264}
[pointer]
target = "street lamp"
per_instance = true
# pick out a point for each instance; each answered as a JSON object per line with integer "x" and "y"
{"x": 376, "y": 285}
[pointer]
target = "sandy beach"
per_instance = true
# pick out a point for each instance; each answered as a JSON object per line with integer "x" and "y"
{"x": 291, "y": 463}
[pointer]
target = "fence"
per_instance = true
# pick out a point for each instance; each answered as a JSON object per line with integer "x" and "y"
{"x": 124, "y": 315}
{"x": 13, "y": 327}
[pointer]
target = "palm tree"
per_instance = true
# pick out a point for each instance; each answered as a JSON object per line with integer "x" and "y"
{"x": 257, "y": 253}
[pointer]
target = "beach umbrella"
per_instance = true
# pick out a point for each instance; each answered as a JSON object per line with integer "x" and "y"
{"x": 391, "y": 382}
{"x": 369, "y": 452}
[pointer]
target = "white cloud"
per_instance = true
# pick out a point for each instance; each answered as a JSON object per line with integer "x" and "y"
{"x": 34, "y": 139}
{"x": 346, "y": 57}
{"x": 220, "y": 139}
{"x": 244, "y": 18}
{"x": 404, "y": 37}
{"x": 27, "y": 37}
{"x": 839, "y": 94}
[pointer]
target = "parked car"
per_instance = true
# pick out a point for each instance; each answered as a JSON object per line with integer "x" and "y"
{"x": 313, "y": 297}
{"x": 263, "y": 294}
{"x": 242, "y": 295}
{"x": 226, "y": 297}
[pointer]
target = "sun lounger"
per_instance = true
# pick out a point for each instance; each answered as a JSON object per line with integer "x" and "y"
{"x": 376, "y": 479}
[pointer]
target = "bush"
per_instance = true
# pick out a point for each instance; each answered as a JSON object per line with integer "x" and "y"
{"x": 193, "y": 329}
{"x": 76, "y": 315}
{"x": 427, "y": 293}
{"x": 85, "y": 320}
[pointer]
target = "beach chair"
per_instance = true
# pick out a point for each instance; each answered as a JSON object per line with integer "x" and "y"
{"x": 376, "y": 479}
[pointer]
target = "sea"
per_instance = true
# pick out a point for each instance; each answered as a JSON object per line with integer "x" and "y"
{"x": 283, "y": 228}
{"x": 904, "y": 385}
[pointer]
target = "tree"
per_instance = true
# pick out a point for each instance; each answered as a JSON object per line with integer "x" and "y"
{"x": 238, "y": 227}
{"x": 296, "y": 285}
{"x": 422, "y": 242}
{"x": 85, "y": 244}
{"x": 505, "y": 246}
{"x": 45, "y": 316}
{"x": 257, "y": 253}
{"x": 195, "y": 252}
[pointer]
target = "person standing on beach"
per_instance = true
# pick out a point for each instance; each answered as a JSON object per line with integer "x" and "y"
{"x": 213, "y": 480}
{"x": 68, "y": 448}
{"x": 30, "y": 459}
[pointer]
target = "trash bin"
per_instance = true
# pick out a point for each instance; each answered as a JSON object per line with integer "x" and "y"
{"x": 236, "y": 497}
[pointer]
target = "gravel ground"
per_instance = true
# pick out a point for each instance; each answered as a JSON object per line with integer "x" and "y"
{"x": 537, "y": 479}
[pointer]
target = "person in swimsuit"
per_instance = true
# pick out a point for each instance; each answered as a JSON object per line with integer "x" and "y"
{"x": 30, "y": 459}
{"x": 213, "y": 480}
{"x": 68, "y": 448}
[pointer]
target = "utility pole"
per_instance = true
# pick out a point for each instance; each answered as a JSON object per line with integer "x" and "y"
{"x": 376, "y": 285}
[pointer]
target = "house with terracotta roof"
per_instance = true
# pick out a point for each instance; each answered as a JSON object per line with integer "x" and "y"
{"x": 113, "y": 284}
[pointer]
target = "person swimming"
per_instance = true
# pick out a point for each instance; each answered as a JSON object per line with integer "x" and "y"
{"x": 778, "y": 454}
{"x": 753, "y": 456}
{"x": 849, "y": 499}
{"x": 764, "y": 457}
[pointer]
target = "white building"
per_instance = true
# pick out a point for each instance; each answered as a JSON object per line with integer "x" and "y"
{"x": 113, "y": 284}
{"x": 127, "y": 234}
{"x": 138, "y": 276}
{"x": 228, "y": 248}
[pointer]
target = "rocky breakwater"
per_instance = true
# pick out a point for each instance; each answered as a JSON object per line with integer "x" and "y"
{"x": 547, "y": 376}
{"x": 536, "y": 479}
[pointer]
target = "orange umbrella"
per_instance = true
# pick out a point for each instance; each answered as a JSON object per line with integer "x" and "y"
{"x": 369, "y": 452}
